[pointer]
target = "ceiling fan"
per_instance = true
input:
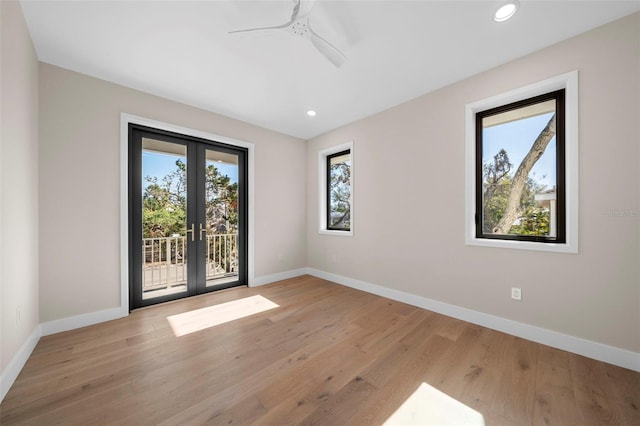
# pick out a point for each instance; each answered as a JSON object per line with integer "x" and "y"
{"x": 299, "y": 26}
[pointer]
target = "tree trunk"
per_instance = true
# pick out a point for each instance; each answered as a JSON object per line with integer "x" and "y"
{"x": 513, "y": 211}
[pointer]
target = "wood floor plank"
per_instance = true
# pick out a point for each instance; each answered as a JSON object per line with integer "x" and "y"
{"x": 343, "y": 405}
{"x": 326, "y": 355}
{"x": 596, "y": 397}
{"x": 485, "y": 368}
{"x": 555, "y": 402}
{"x": 313, "y": 382}
{"x": 625, "y": 386}
{"x": 516, "y": 387}
{"x": 336, "y": 369}
{"x": 397, "y": 374}
{"x": 394, "y": 360}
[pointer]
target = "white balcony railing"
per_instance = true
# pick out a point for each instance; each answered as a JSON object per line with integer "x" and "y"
{"x": 165, "y": 260}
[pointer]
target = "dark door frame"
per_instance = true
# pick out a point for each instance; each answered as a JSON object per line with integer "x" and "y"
{"x": 196, "y": 148}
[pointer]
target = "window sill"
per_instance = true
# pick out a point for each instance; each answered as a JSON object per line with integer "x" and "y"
{"x": 522, "y": 245}
{"x": 338, "y": 233}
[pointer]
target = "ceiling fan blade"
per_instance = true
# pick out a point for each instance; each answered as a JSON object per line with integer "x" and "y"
{"x": 279, "y": 27}
{"x": 332, "y": 53}
{"x": 296, "y": 8}
{"x": 302, "y": 8}
{"x": 299, "y": 26}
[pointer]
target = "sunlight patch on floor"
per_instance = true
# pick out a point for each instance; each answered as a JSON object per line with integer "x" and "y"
{"x": 428, "y": 406}
{"x": 199, "y": 319}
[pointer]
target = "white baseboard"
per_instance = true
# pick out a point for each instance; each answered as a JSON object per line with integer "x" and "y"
{"x": 268, "y": 279}
{"x": 10, "y": 374}
{"x": 598, "y": 351}
{"x": 78, "y": 321}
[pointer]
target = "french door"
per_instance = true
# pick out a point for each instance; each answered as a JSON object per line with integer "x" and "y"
{"x": 187, "y": 216}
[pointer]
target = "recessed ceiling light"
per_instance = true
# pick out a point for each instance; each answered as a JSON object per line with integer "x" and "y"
{"x": 311, "y": 113}
{"x": 506, "y": 11}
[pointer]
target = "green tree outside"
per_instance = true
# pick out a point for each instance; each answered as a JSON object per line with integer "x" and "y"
{"x": 497, "y": 180}
{"x": 164, "y": 203}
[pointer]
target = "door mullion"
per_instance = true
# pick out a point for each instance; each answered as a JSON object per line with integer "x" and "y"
{"x": 193, "y": 217}
{"x": 200, "y": 181}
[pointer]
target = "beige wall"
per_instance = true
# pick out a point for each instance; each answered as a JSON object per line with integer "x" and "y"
{"x": 19, "y": 184}
{"x": 409, "y": 199}
{"x": 80, "y": 184}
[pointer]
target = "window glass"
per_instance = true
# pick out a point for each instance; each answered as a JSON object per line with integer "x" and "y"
{"x": 520, "y": 170}
{"x": 339, "y": 191}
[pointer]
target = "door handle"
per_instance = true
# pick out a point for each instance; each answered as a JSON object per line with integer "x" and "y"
{"x": 201, "y": 231}
{"x": 193, "y": 237}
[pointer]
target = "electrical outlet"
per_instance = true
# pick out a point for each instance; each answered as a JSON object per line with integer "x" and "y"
{"x": 516, "y": 293}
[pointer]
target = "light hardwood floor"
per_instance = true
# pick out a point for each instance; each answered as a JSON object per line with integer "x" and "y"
{"x": 327, "y": 355}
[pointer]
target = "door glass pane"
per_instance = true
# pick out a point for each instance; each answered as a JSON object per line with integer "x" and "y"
{"x": 221, "y": 215}
{"x": 164, "y": 223}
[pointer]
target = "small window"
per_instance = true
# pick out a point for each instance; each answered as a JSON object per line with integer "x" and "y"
{"x": 335, "y": 189}
{"x": 520, "y": 170}
{"x": 339, "y": 191}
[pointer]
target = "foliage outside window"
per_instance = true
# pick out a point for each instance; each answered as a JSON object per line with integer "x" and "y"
{"x": 520, "y": 170}
{"x": 164, "y": 202}
{"x": 339, "y": 191}
{"x": 221, "y": 201}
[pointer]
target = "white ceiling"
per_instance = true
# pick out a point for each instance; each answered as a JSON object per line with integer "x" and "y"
{"x": 396, "y": 50}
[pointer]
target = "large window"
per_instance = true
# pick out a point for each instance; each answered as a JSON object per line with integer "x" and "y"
{"x": 336, "y": 190}
{"x": 522, "y": 168}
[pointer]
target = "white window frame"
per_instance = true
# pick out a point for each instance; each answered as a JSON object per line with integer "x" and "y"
{"x": 569, "y": 82}
{"x": 322, "y": 189}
